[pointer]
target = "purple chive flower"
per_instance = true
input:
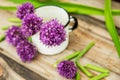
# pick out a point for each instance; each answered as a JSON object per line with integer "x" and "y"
{"x": 31, "y": 24}
{"x": 26, "y": 51}
{"x": 67, "y": 69}
{"x": 52, "y": 33}
{"x": 14, "y": 35}
{"x": 24, "y": 9}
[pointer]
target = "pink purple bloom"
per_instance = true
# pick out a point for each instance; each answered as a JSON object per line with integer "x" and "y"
{"x": 14, "y": 35}
{"x": 31, "y": 24}
{"x": 26, "y": 51}
{"x": 24, "y": 9}
{"x": 52, "y": 33}
{"x": 67, "y": 69}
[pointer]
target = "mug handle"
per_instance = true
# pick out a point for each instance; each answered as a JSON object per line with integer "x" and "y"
{"x": 75, "y": 25}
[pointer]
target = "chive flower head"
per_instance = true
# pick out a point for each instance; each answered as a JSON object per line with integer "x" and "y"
{"x": 52, "y": 33}
{"x": 67, "y": 69}
{"x": 24, "y": 9}
{"x": 26, "y": 51}
{"x": 14, "y": 35}
{"x": 31, "y": 24}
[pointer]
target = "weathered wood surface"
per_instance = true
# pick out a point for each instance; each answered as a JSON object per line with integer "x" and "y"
{"x": 102, "y": 54}
{"x": 21, "y": 70}
{"x": 6, "y": 73}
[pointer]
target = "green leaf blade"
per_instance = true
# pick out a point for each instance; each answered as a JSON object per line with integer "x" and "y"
{"x": 111, "y": 26}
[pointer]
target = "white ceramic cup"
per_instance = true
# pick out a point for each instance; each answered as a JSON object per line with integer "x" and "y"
{"x": 54, "y": 12}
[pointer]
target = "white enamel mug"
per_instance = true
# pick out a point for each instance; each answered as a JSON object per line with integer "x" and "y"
{"x": 54, "y": 12}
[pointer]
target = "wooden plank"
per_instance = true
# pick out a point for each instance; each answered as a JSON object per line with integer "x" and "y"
{"x": 21, "y": 70}
{"x": 6, "y": 73}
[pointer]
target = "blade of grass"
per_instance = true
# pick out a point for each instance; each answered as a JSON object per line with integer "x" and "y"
{"x": 111, "y": 26}
{"x": 77, "y": 9}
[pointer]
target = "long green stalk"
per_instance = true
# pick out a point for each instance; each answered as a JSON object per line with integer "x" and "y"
{"x": 7, "y": 27}
{"x": 77, "y": 77}
{"x": 70, "y": 7}
{"x": 111, "y": 26}
{"x": 99, "y": 77}
{"x": 84, "y": 51}
{"x": 84, "y": 70}
{"x": 15, "y": 20}
{"x": 68, "y": 57}
{"x": 96, "y": 68}
{"x": 7, "y": 8}
{"x": 2, "y": 37}
{"x": 79, "y": 8}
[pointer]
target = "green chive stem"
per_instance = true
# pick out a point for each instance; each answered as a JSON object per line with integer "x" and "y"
{"x": 68, "y": 57}
{"x": 71, "y": 56}
{"x": 84, "y": 70}
{"x": 30, "y": 39}
{"x": 2, "y": 37}
{"x": 96, "y": 68}
{"x": 88, "y": 10}
{"x": 7, "y": 27}
{"x": 77, "y": 77}
{"x": 8, "y": 8}
{"x": 85, "y": 50}
{"x": 79, "y": 8}
{"x": 111, "y": 26}
{"x": 15, "y": 20}
{"x": 99, "y": 77}
{"x": 18, "y": 24}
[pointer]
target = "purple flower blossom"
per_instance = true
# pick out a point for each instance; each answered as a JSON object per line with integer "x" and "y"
{"x": 26, "y": 51}
{"x": 31, "y": 24}
{"x": 52, "y": 33}
{"x": 67, "y": 69}
{"x": 24, "y": 9}
{"x": 14, "y": 35}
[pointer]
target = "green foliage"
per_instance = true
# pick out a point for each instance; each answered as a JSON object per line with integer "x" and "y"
{"x": 111, "y": 26}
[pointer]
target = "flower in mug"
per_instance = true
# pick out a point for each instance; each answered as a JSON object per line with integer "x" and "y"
{"x": 67, "y": 69}
{"x": 14, "y": 35}
{"x": 24, "y": 9}
{"x": 31, "y": 24}
{"x": 52, "y": 33}
{"x": 26, "y": 51}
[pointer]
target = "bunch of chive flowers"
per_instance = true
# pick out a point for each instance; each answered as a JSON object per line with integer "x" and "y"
{"x": 52, "y": 33}
{"x": 70, "y": 69}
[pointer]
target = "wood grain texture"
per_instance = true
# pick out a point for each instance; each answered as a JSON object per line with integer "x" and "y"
{"x": 21, "y": 70}
{"x": 7, "y": 72}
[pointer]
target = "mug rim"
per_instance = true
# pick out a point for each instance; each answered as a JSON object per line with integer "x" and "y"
{"x": 61, "y": 8}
